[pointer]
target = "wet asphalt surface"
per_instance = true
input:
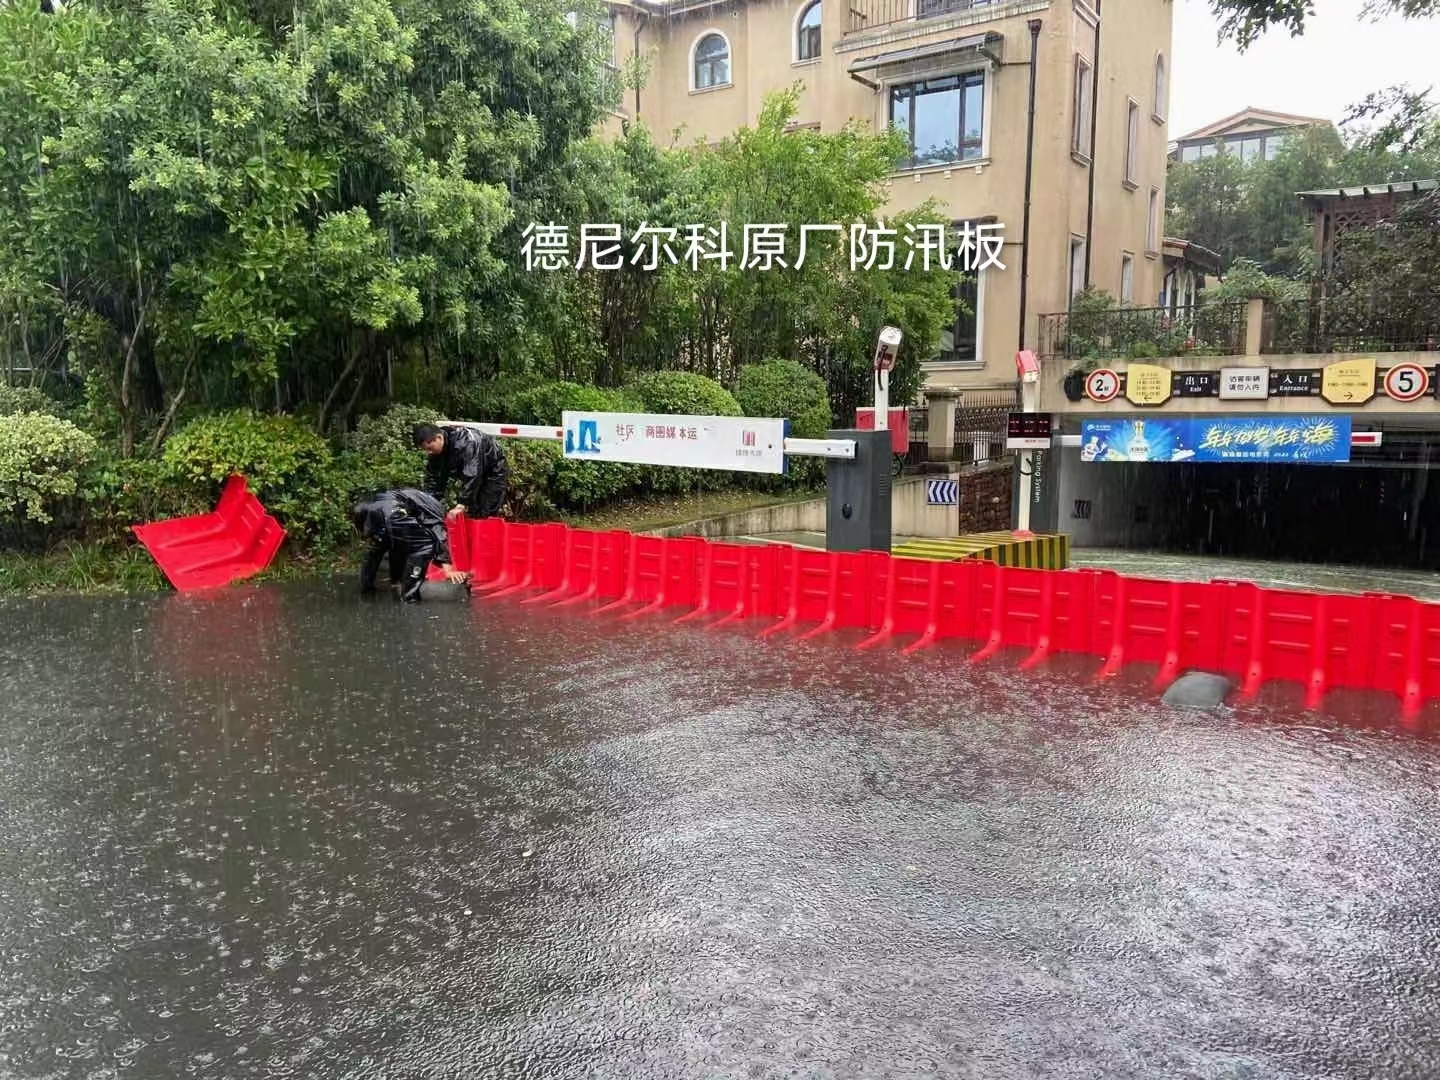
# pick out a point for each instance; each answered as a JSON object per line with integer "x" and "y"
{"x": 279, "y": 832}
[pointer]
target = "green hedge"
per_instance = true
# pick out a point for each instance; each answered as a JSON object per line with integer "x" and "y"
{"x": 41, "y": 460}
{"x": 681, "y": 393}
{"x": 791, "y": 391}
{"x": 26, "y": 399}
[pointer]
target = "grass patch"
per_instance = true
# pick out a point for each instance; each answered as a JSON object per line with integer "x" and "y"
{"x": 81, "y": 568}
{"x": 115, "y": 567}
{"x": 638, "y": 515}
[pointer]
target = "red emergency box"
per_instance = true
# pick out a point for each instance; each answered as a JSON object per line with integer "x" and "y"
{"x": 899, "y": 426}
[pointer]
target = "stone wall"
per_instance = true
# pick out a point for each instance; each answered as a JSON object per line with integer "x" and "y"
{"x": 985, "y": 498}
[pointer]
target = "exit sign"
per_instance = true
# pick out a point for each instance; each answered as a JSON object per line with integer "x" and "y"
{"x": 1029, "y": 431}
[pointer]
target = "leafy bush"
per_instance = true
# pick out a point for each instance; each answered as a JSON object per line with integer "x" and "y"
{"x": 389, "y": 432}
{"x": 493, "y": 401}
{"x": 1245, "y": 279}
{"x": 529, "y": 493}
{"x": 683, "y": 393}
{"x": 40, "y": 461}
{"x": 546, "y": 403}
{"x": 26, "y": 399}
{"x": 784, "y": 388}
{"x": 289, "y": 467}
{"x": 576, "y": 485}
{"x": 788, "y": 390}
{"x": 120, "y": 492}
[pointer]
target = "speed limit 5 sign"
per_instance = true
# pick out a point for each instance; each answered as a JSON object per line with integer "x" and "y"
{"x": 1407, "y": 382}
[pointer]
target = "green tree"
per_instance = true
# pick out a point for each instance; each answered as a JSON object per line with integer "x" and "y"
{"x": 267, "y": 204}
{"x": 1245, "y": 21}
{"x": 1250, "y": 210}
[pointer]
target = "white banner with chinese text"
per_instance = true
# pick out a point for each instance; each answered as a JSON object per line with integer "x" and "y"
{"x": 739, "y": 443}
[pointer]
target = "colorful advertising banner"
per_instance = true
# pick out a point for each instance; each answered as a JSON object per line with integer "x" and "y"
{"x": 1282, "y": 439}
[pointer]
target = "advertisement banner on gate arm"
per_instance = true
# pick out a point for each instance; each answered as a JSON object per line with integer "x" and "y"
{"x": 738, "y": 443}
{"x": 1279, "y": 439}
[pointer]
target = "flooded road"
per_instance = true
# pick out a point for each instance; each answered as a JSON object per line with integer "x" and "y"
{"x": 281, "y": 832}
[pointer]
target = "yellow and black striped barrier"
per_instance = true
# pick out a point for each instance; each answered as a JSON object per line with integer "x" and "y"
{"x": 1050, "y": 551}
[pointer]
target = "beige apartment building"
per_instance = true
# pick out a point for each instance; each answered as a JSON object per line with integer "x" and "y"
{"x": 955, "y": 76}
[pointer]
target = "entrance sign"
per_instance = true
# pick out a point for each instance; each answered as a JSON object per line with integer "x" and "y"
{"x": 738, "y": 443}
{"x": 1348, "y": 382}
{"x": 1147, "y": 384}
{"x": 1285, "y": 439}
{"x": 1407, "y": 382}
{"x": 1244, "y": 383}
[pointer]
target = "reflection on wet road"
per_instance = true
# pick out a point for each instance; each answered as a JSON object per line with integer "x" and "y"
{"x": 279, "y": 832}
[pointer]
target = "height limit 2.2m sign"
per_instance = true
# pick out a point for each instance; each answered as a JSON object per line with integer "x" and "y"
{"x": 737, "y": 443}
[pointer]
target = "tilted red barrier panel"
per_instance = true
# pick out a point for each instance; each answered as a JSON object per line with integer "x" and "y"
{"x": 1319, "y": 641}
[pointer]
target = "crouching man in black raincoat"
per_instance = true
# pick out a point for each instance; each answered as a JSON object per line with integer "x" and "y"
{"x": 409, "y": 526}
{"x": 471, "y": 457}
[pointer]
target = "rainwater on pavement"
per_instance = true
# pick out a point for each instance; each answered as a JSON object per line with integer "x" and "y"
{"x": 281, "y": 832}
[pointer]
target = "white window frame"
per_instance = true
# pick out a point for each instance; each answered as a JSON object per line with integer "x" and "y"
{"x": 1132, "y": 141}
{"x": 1083, "y": 92}
{"x": 1152, "y": 224}
{"x": 729, "y": 56}
{"x": 1160, "y": 89}
{"x": 795, "y": 57}
{"x": 1127, "y": 263}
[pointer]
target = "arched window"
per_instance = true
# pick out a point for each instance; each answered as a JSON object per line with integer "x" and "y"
{"x": 807, "y": 32}
{"x": 712, "y": 62}
{"x": 1161, "y": 91}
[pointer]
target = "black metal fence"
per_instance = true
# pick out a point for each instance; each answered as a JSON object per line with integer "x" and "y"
{"x": 1340, "y": 320}
{"x": 1137, "y": 333}
{"x": 870, "y": 14}
{"x": 982, "y": 421}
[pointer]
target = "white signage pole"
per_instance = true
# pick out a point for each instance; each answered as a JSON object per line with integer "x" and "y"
{"x": 1029, "y": 403}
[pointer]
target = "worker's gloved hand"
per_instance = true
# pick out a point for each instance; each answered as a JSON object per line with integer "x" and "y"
{"x": 455, "y": 577}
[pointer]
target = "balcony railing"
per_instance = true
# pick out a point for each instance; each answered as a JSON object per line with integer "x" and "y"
{"x": 873, "y": 14}
{"x": 1138, "y": 333}
{"x": 1331, "y": 321}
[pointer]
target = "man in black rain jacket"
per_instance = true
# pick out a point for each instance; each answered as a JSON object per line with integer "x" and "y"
{"x": 472, "y": 458}
{"x": 409, "y": 526}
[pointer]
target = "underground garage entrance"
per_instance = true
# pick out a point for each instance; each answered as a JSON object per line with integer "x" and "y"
{"x": 1380, "y": 509}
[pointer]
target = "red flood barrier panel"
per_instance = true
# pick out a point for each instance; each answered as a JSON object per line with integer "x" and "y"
{"x": 1319, "y": 641}
{"x": 204, "y": 551}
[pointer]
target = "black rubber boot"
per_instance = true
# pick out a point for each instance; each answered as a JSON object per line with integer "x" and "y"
{"x": 414, "y": 578}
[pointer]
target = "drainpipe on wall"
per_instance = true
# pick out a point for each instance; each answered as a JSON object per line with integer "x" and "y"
{"x": 1094, "y": 117}
{"x": 1029, "y": 168}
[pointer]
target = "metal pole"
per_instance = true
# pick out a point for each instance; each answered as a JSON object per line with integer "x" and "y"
{"x": 1029, "y": 168}
{"x": 1026, "y": 464}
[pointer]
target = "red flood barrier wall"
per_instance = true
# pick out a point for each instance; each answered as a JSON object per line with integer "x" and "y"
{"x": 1321, "y": 641}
